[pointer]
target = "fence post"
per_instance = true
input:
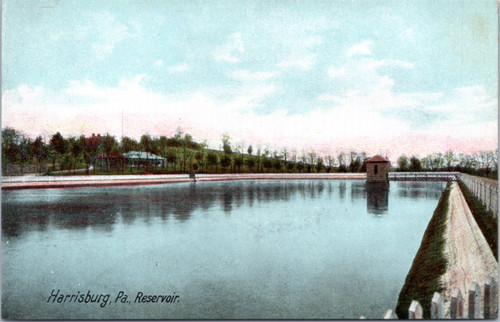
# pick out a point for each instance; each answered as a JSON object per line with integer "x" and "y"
{"x": 480, "y": 196}
{"x": 415, "y": 311}
{"x": 474, "y": 301}
{"x": 456, "y": 305}
{"x": 390, "y": 315}
{"x": 437, "y": 306}
{"x": 489, "y": 298}
{"x": 488, "y": 204}
{"x": 483, "y": 192}
{"x": 495, "y": 202}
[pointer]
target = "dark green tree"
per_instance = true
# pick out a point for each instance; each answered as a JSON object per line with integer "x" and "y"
{"x": 146, "y": 143}
{"x": 225, "y": 161}
{"x": 250, "y": 163}
{"x": 128, "y": 144}
{"x": 59, "y": 145}
{"x": 212, "y": 160}
{"x": 238, "y": 162}
{"x": 10, "y": 148}
{"x": 415, "y": 165}
{"x": 277, "y": 163}
{"x": 199, "y": 156}
{"x": 37, "y": 150}
{"x": 319, "y": 165}
{"x": 300, "y": 166}
{"x": 403, "y": 163}
{"x": 226, "y": 144}
{"x": 171, "y": 158}
{"x": 75, "y": 149}
{"x": 267, "y": 163}
{"x": 109, "y": 145}
{"x": 86, "y": 152}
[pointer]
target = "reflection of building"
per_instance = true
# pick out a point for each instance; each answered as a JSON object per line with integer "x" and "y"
{"x": 377, "y": 172}
{"x": 145, "y": 159}
{"x": 377, "y": 201}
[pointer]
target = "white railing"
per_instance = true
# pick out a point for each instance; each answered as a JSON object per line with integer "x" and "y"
{"x": 485, "y": 192}
{"x": 424, "y": 176}
{"x": 481, "y": 305}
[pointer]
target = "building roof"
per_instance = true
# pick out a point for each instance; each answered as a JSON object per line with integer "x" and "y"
{"x": 377, "y": 158}
{"x": 142, "y": 155}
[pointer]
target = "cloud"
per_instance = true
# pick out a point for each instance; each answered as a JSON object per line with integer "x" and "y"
{"x": 360, "y": 81}
{"x": 301, "y": 53}
{"x": 360, "y": 49}
{"x": 159, "y": 63}
{"x": 101, "y": 31}
{"x": 373, "y": 64}
{"x": 407, "y": 35}
{"x": 362, "y": 84}
{"x": 312, "y": 41}
{"x": 226, "y": 51}
{"x": 178, "y": 68}
{"x": 302, "y": 63}
{"x": 245, "y": 75}
{"x": 353, "y": 122}
{"x": 336, "y": 72}
{"x": 466, "y": 105}
{"x": 108, "y": 33}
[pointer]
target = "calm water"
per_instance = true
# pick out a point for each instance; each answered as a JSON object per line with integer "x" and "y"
{"x": 242, "y": 249}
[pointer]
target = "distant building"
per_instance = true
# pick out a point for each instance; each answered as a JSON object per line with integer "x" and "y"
{"x": 94, "y": 141}
{"x": 112, "y": 161}
{"x": 377, "y": 172}
{"x": 145, "y": 159}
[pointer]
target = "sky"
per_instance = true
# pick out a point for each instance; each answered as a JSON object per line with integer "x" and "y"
{"x": 388, "y": 77}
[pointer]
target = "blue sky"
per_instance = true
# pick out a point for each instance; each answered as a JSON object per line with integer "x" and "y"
{"x": 411, "y": 76}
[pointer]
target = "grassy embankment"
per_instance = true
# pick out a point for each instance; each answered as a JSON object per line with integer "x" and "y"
{"x": 429, "y": 263}
{"x": 186, "y": 161}
{"x": 484, "y": 219}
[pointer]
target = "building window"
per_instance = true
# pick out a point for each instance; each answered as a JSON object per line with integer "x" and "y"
{"x": 375, "y": 170}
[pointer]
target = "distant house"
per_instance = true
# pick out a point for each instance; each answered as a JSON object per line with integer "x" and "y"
{"x": 377, "y": 171}
{"x": 145, "y": 159}
{"x": 113, "y": 160}
{"x": 94, "y": 141}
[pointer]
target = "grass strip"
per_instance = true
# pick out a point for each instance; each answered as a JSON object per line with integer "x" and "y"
{"x": 429, "y": 263}
{"x": 484, "y": 219}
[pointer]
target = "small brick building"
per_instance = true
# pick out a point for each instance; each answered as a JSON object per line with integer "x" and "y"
{"x": 377, "y": 171}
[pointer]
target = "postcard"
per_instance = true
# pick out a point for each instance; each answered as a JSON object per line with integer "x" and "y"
{"x": 172, "y": 160}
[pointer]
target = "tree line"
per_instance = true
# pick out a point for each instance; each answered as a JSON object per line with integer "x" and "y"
{"x": 482, "y": 163}
{"x": 99, "y": 154}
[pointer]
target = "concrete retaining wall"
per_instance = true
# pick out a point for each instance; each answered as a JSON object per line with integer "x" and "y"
{"x": 471, "y": 271}
{"x": 30, "y": 182}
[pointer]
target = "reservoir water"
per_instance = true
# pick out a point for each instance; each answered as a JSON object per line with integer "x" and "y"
{"x": 304, "y": 249}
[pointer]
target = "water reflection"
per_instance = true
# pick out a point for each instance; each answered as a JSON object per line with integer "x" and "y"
{"x": 342, "y": 189}
{"x": 377, "y": 201}
{"x": 415, "y": 189}
{"x": 100, "y": 208}
{"x": 358, "y": 190}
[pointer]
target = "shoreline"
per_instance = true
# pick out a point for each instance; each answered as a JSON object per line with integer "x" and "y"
{"x": 60, "y": 182}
